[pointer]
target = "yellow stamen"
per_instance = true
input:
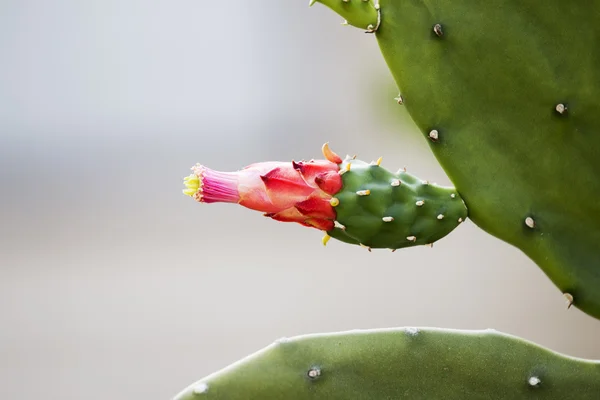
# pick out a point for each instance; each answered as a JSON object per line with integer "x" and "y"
{"x": 379, "y": 160}
{"x": 192, "y": 184}
{"x": 334, "y": 202}
{"x": 325, "y": 239}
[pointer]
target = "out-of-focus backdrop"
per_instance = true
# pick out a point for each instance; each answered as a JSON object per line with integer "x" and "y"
{"x": 113, "y": 285}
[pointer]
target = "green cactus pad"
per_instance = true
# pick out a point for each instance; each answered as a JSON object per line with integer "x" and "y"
{"x": 359, "y": 13}
{"x": 511, "y": 87}
{"x": 406, "y": 363}
{"x": 380, "y": 209}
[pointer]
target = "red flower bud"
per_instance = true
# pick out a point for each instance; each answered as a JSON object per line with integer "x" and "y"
{"x": 285, "y": 191}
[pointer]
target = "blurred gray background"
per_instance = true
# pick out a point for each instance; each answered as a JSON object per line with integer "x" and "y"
{"x": 113, "y": 285}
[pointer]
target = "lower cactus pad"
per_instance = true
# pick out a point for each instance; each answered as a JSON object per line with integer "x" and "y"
{"x": 408, "y": 363}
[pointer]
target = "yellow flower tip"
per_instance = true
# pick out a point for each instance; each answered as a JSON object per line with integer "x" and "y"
{"x": 192, "y": 184}
{"x": 325, "y": 239}
{"x": 379, "y": 160}
{"x": 334, "y": 202}
{"x": 330, "y": 155}
{"x": 345, "y": 168}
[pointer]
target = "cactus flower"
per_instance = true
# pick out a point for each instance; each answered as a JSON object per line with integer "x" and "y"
{"x": 285, "y": 191}
{"x": 351, "y": 200}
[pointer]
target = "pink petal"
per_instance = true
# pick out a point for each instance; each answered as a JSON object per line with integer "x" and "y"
{"x": 313, "y": 168}
{"x": 330, "y": 182}
{"x": 289, "y": 215}
{"x": 282, "y": 191}
{"x": 322, "y": 224}
{"x": 216, "y": 186}
{"x": 316, "y": 207}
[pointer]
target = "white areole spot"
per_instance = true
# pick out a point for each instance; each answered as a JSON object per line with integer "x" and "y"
{"x": 314, "y": 373}
{"x": 530, "y": 222}
{"x": 534, "y": 381}
{"x": 412, "y": 331}
{"x": 201, "y": 388}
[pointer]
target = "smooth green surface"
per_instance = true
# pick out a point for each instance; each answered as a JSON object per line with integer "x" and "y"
{"x": 358, "y": 13}
{"x": 490, "y": 86}
{"x": 409, "y": 363}
{"x": 422, "y": 212}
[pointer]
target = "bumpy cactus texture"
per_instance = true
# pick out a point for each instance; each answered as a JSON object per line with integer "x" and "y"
{"x": 381, "y": 209}
{"x": 406, "y": 363}
{"x": 509, "y": 89}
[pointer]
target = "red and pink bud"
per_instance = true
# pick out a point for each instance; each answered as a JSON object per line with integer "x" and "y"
{"x": 285, "y": 191}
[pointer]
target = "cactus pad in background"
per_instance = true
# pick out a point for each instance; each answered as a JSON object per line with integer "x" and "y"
{"x": 353, "y": 201}
{"x": 506, "y": 94}
{"x": 403, "y": 363}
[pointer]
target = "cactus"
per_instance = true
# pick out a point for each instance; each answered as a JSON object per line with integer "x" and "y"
{"x": 402, "y": 363}
{"x": 505, "y": 92}
{"x": 353, "y": 201}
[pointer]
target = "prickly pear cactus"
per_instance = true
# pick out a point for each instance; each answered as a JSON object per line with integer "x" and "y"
{"x": 353, "y": 201}
{"x": 407, "y": 363}
{"x": 506, "y": 94}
